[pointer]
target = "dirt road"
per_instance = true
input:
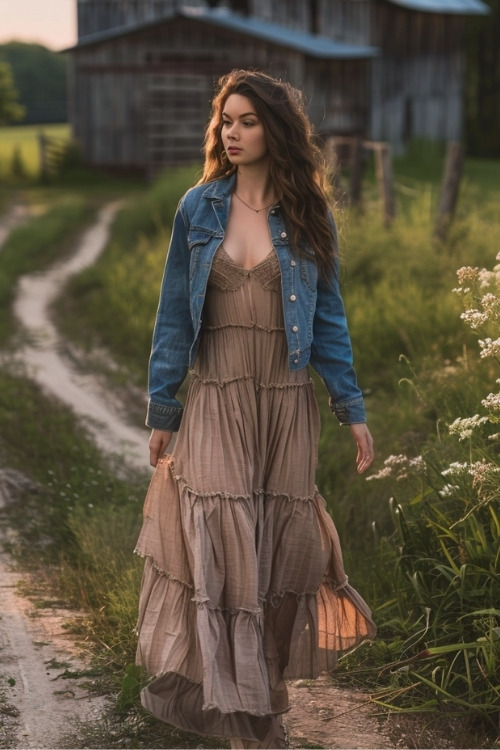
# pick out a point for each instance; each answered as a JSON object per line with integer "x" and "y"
{"x": 35, "y": 650}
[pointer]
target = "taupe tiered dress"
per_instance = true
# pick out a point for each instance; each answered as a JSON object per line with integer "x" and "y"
{"x": 243, "y": 583}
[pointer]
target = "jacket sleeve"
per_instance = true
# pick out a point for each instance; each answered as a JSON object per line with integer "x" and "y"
{"x": 331, "y": 352}
{"x": 173, "y": 334}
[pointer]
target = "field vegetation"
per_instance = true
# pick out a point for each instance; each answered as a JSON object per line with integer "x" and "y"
{"x": 421, "y": 534}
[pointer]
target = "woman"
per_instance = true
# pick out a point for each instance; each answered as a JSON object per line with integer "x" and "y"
{"x": 243, "y": 583}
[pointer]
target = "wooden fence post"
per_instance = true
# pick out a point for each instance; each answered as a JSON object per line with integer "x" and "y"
{"x": 44, "y": 157}
{"x": 449, "y": 188}
{"x": 383, "y": 160}
{"x": 356, "y": 171}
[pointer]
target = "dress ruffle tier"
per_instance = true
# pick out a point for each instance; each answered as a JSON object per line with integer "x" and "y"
{"x": 243, "y": 583}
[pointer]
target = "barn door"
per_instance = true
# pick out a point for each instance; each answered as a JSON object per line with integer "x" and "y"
{"x": 178, "y": 108}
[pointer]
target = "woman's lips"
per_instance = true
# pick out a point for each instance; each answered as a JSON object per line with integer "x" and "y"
{"x": 233, "y": 149}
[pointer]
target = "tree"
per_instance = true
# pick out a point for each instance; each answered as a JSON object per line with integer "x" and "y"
{"x": 10, "y": 109}
{"x": 40, "y": 77}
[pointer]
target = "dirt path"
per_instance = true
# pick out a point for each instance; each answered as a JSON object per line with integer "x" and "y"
{"x": 321, "y": 716}
{"x": 49, "y": 368}
{"x": 42, "y": 673}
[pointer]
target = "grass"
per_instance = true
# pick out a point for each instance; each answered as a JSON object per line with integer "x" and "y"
{"x": 36, "y": 244}
{"x": 24, "y": 140}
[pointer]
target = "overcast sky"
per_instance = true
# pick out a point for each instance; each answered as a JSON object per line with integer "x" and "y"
{"x": 49, "y": 22}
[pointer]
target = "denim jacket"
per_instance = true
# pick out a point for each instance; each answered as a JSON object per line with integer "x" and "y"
{"x": 315, "y": 323}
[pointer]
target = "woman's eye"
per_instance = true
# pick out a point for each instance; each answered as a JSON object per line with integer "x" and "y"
{"x": 249, "y": 123}
{"x": 225, "y": 123}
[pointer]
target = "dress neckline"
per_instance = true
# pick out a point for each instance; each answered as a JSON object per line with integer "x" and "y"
{"x": 253, "y": 268}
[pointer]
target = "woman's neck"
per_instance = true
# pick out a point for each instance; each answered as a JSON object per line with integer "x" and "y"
{"x": 255, "y": 187}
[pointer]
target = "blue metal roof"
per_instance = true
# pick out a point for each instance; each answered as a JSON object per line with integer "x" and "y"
{"x": 454, "y": 7}
{"x": 309, "y": 44}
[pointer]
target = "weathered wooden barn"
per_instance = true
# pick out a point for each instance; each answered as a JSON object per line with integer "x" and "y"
{"x": 142, "y": 72}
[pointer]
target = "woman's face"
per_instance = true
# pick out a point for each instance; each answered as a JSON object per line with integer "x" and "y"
{"x": 242, "y": 132}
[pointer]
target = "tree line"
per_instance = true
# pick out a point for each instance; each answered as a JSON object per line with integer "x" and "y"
{"x": 32, "y": 84}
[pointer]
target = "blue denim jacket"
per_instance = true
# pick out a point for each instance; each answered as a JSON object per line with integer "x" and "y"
{"x": 315, "y": 322}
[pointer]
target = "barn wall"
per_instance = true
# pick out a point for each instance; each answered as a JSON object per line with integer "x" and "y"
{"x": 142, "y": 101}
{"x": 338, "y": 96}
{"x": 417, "y": 84}
{"x": 346, "y": 20}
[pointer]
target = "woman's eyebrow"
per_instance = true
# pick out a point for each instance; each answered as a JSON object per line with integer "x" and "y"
{"x": 245, "y": 114}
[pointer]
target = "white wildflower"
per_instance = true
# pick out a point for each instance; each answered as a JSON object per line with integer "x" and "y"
{"x": 492, "y": 402}
{"x": 454, "y": 468}
{"x": 482, "y": 471}
{"x": 467, "y": 273}
{"x": 490, "y": 303}
{"x": 485, "y": 278}
{"x": 448, "y": 490}
{"x": 474, "y": 318}
{"x": 381, "y": 474}
{"x": 465, "y": 426}
{"x": 489, "y": 347}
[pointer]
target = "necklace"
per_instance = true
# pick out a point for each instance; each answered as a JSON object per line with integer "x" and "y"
{"x": 257, "y": 210}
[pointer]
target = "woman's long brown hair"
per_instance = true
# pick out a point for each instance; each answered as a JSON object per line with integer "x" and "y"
{"x": 296, "y": 168}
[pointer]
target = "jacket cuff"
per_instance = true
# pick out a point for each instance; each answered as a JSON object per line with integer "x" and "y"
{"x": 162, "y": 417}
{"x": 349, "y": 412}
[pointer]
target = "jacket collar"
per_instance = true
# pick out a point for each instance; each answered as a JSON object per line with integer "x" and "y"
{"x": 220, "y": 189}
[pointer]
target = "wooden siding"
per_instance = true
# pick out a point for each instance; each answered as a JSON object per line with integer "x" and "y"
{"x": 142, "y": 101}
{"x": 417, "y": 83}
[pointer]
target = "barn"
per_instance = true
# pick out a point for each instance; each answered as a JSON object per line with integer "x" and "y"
{"x": 142, "y": 72}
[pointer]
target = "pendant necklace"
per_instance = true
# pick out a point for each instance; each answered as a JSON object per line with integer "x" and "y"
{"x": 257, "y": 210}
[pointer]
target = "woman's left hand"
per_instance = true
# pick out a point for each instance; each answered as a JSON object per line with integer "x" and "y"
{"x": 364, "y": 441}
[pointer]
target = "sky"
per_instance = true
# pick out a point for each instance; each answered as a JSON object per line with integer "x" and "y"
{"x": 48, "y": 22}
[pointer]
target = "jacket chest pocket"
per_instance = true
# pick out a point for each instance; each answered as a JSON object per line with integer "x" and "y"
{"x": 197, "y": 243}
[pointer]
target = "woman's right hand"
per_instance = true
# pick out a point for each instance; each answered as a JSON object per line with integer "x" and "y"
{"x": 158, "y": 444}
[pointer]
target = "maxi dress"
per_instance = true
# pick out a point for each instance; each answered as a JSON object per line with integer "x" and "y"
{"x": 243, "y": 583}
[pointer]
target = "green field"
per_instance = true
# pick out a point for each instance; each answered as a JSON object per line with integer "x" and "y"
{"x": 24, "y": 138}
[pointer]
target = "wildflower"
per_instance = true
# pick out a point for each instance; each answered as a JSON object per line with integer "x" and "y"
{"x": 467, "y": 273}
{"x": 474, "y": 318}
{"x": 448, "y": 489}
{"x": 492, "y": 402}
{"x": 400, "y": 466}
{"x": 490, "y": 303}
{"x": 482, "y": 471}
{"x": 381, "y": 474}
{"x": 485, "y": 278}
{"x": 465, "y": 426}
{"x": 489, "y": 347}
{"x": 454, "y": 468}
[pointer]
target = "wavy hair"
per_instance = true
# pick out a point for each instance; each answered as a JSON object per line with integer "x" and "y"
{"x": 296, "y": 163}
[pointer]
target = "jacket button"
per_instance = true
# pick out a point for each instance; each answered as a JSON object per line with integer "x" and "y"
{"x": 293, "y": 263}
{"x": 283, "y": 234}
{"x": 272, "y": 212}
{"x": 295, "y": 329}
{"x": 295, "y": 361}
{"x": 292, "y": 298}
